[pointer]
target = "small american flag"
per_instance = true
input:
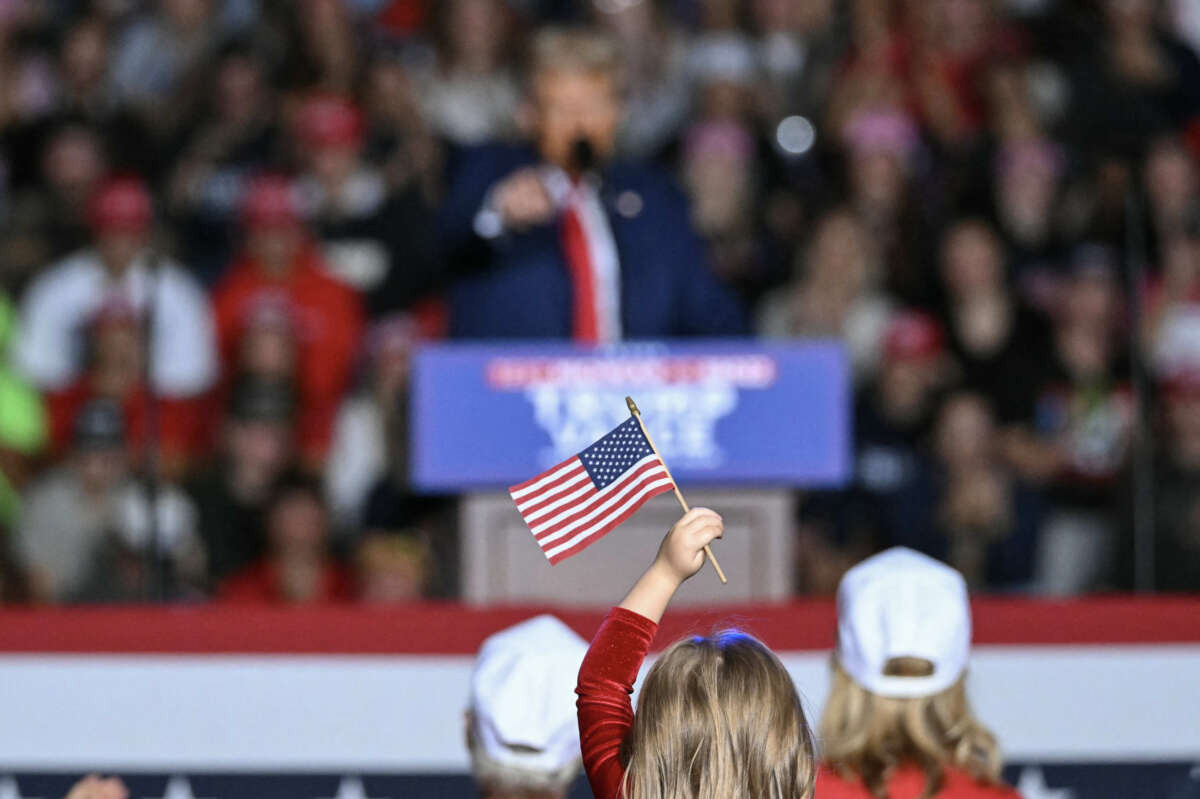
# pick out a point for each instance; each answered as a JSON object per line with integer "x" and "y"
{"x": 579, "y": 500}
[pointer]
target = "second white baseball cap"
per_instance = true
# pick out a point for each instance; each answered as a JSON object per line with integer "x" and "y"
{"x": 901, "y": 603}
{"x": 523, "y": 696}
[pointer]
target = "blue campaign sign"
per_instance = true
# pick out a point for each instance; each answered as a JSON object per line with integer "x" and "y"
{"x": 487, "y": 416}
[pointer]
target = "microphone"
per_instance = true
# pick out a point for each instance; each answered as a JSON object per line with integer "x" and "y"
{"x": 583, "y": 155}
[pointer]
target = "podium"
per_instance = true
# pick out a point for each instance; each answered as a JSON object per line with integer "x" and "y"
{"x": 500, "y": 564}
{"x": 741, "y": 425}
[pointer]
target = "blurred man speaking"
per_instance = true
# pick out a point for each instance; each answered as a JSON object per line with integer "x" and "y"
{"x": 558, "y": 239}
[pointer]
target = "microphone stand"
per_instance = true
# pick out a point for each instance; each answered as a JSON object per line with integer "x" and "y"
{"x": 154, "y": 579}
{"x": 1143, "y": 466}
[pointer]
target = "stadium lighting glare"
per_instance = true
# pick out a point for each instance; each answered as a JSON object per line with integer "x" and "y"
{"x": 795, "y": 135}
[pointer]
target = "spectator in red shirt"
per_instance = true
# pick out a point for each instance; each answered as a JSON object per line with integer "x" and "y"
{"x": 115, "y": 371}
{"x": 897, "y": 723}
{"x": 298, "y": 567}
{"x": 120, "y": 271}
{"x": 281, "y": 265}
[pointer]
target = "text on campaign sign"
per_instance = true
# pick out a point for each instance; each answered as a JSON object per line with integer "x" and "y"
{"x": 487, "y": 416}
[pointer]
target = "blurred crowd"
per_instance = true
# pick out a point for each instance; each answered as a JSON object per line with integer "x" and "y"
{"x": 223, "y": 231}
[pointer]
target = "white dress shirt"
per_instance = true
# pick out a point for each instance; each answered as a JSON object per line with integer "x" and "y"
{"x": 48, "y": 348}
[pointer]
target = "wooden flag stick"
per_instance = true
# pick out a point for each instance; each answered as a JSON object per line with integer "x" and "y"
{"x": 633, "y": 408}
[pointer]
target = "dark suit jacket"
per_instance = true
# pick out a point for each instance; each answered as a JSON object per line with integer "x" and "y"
{"x": 518, "y": 285}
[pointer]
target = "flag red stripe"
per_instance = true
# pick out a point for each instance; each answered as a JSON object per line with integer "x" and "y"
{"x": 644, "y": 489}
{"x": 589, "y": 504}
{"x": 565, "y": 495}
{"x": 609, "y": 525}
{"x": 613, "y": 494}
{"x": 542, "y": 476}
{"x": 553, "y": 492}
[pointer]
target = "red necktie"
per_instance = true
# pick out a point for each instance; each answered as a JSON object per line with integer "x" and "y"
{"x": 585, "y": 325}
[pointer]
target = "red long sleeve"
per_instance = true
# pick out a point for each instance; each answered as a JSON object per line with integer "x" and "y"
{"x": 605, "y": 684}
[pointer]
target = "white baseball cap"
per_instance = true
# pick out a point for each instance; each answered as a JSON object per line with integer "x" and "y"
{"x": 901, "y": 603}
{"x": 522, "y": 699}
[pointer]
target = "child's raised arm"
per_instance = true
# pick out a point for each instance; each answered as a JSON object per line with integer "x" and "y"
{"x": 680, "y": 555}
{"x": 612, "y": 662}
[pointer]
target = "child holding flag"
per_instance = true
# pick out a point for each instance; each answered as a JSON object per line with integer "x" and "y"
{"x": 718, "y": 716}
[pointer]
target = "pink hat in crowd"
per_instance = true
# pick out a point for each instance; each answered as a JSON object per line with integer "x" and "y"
{"x": 1040, "y": 156}
{"x": 882, "y": 131}
{"x": 120, "y": 204}
{"x": 396, "y": 334}
{"x": 329, "y": 121}
{"x": 271, "y": 201}
{"x": 912, "y": 336}
{"x": 724, "y": 140}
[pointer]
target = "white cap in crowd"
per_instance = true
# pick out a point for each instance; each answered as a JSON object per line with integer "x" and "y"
{"x": 897, "y": 604}
{"x": 522, "y": 704}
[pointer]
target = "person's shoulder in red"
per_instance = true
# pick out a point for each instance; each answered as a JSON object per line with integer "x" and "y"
{"x": 306, "y": 282}
{"x": 256, "y": 583}
{"x": 233, "y": 292}
{"x": 313, "y": 286}
{"x": 239, "y": 277}
{"x": 63, "y": 406}
{"x": 261, "y": 583}
{"x": 333, "y": 319}
{"x": 908, "y": 782}
{"x": 312, "y": 273}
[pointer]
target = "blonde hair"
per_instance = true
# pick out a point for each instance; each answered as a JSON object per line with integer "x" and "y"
{"x": 867, "y": 736}
{"x": 719, "y": 718}
{"x": 573, "y": 50}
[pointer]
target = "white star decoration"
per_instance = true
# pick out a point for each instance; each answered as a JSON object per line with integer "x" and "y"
{"x": 177, "y": 788}
{"x": 10, "y": 790}
{"x": 181, "y": 788}
{"x": 1032, "y": 785}
{"x": 612, "y": 455}
{"x": 351, "y": 788}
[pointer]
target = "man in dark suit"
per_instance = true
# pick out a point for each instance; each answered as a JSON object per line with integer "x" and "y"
{"x": 557, "y": 240}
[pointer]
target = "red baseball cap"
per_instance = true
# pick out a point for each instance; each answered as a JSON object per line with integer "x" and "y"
{"x": 912, "y": 335}
{"x": 120, "y": 204}
{"x": 328, "y": 121}
{"x": 270, "y": 201}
